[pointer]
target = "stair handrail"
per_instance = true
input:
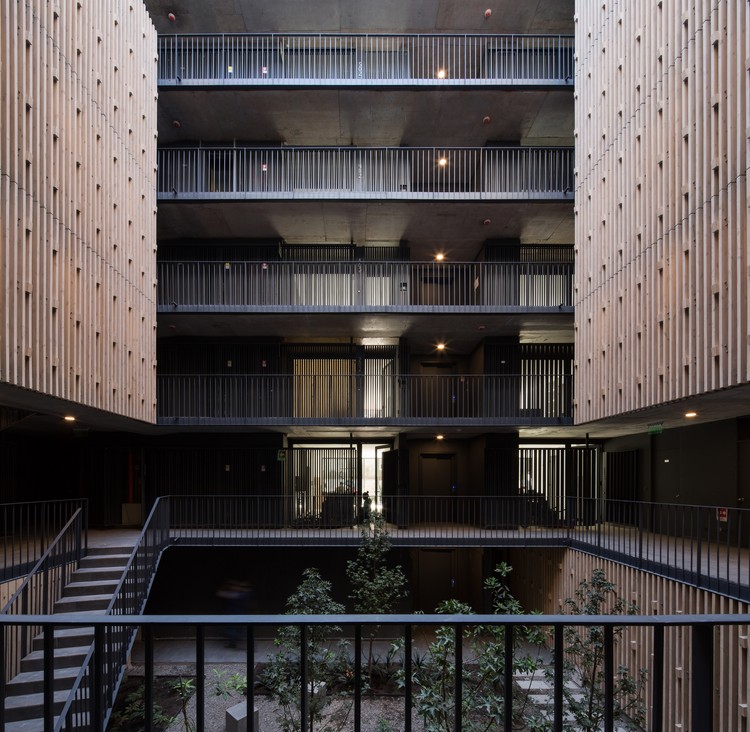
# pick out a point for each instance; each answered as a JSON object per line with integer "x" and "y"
{"x": 41, "y": 588}
{"x": 132, "y": 589}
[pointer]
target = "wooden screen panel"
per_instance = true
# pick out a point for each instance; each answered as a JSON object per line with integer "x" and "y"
{"x": 661, "y": 205}
{"x": 77, "y": 194}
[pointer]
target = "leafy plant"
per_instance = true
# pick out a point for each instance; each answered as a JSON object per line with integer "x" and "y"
{"x": 584, "y": 660}
{"x": 483, "y": 701}
{"x": 132, "y": 714}
{"x": 225, "y": 685}
{"x": 376, "y": 587}
{"x": 328, "y": 669}
{"x": 185, "y": 688}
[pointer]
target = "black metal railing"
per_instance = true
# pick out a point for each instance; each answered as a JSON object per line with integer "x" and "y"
{"x": 364, "y": 399}
{"x": 698, "y": 636}
{"x": 703, "y": 546}
{"x": 41, "y": 588}
{"x": 29, "y": 528}
{"x": 365, "y": 59}
{"x": 415, "y": 173}
{"x": 95, "y": 688}
{"x": 362, "y": 286}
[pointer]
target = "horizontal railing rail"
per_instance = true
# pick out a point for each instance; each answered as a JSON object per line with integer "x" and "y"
{"x": 697, "y": 636}
{"x": 358, "y": 286}
{"x": 365, "y": 398}
{"x": 41, "y": 588}
{"x": 362, "y": 59}
{"x": 262, "y": 173}
{"x": 29, "y": 528}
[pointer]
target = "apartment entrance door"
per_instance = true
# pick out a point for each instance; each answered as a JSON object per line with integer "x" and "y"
{"x": 437, "y": 474}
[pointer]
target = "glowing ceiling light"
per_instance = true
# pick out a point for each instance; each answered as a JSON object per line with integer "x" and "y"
{"x": 441, "y": 74}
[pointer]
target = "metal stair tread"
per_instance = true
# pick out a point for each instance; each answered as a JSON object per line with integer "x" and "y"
{"x": 29, "y": 678}
{"x": 19, "y": 701}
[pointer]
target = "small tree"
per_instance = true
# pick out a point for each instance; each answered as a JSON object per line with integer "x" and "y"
{"x": 483, "y": 702}
{"x": 376, "y": 587}
{"x": 327, "y": 661}
{"x": 584, "y": 660}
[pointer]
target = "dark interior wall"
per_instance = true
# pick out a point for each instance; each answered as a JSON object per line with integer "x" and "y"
{"x": 696, "y": 464}
{"x": 188, "y": 577}
{"x": 642, "y": 445}
{"x": 703, "y": 464}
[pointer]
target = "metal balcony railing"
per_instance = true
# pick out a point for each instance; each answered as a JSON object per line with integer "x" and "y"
{"x": 365, "y": 59}
{"x": 29, "y": 528}
{"x": 704, "y": 546}
{"x": 42, "y": 587}
{"x": 364, "y": 399}
{"x": 362, "y": 286}
{"x": 488, "y": 173}
{"x": 664, "y": 635}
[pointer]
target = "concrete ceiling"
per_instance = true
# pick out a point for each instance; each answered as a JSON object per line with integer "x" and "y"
{"x": 447, "y": 117}
{"x": 349, "y": 16}
{"x": 457, "y": 229}
{"x": 461, "y": 333}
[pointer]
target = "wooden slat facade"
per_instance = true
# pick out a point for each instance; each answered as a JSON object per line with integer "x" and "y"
{"x": 661, "y": 201}
{"x": 546, "y": 577}
{"x": 78, "y": 216}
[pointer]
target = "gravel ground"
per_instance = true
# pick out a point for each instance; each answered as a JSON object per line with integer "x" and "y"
{"x": 382, "y": 714}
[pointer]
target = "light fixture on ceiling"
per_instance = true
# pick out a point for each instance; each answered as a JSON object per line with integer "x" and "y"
{"x": 442, "y": 162}
{"x": 440, "y": 346}
{"x": 487, "y": 222}
{"x": 488, "y": 12}
{"x": 439, "y": 437}
{"x": 172, "y": 17}
{"x": 176, "y": 124}
{"x": 439, "y": 257}
{"x": 440, "y": 73}
{"x": 69, "y": 418}
{"x": 691, "y": 415}
{"x": 486, "y": 119}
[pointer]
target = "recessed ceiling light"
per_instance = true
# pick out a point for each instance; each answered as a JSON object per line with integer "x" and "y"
{"x": 441, "y": 74}
{"x": 691, "y": 415}
{"x": 69, "y": 418}
{"x": 440, "y": 257}
{"x": 440, "y": 346}
{"x": 443, "y": 162}
{"x": 439, "y": 437}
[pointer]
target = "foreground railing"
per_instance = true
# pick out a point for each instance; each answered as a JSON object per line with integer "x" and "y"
{"x": 695, "y": 638}
{"x": 487, "y": 173}
{"x": 29, "y": 528}
{"x": 364, "y": 399}
{"x": 365, "y": 285}
{"x": 361, "y": 59}
{"x": 41, "y": 588}
{"x": 94, "y": 691}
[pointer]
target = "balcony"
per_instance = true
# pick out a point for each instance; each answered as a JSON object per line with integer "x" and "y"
{"x": 319, "y": 59}
{"x": 367, "y": 286}
{"x": 365, "y": 399}
{"x": 356, "y": 173}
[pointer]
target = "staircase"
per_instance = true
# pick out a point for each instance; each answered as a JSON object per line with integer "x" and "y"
{"x": 90, "y": 591}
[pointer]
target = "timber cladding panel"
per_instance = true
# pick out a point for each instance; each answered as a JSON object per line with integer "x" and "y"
{"x": 77, "y": 191}
{"x": 661, "y": 202}
{"x": 543, "y": 578}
